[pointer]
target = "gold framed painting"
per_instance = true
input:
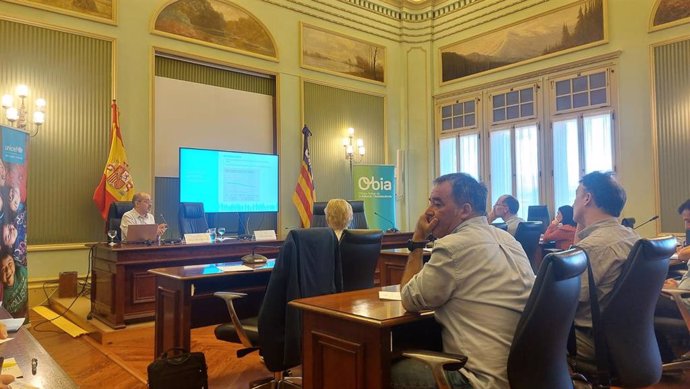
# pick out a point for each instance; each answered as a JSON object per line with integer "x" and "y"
{"x": 334, "y": 53}
{"x": 569, "y": 28}
{"x": 216, "y": 23}
{"x": 669, "y": 13}
{"x": 104, "y": 11}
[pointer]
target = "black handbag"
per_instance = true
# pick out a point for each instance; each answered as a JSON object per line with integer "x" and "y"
{"x": 178, "y": 369}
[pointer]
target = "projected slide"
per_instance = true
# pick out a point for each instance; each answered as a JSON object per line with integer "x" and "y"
{"x": 228, "y": 181}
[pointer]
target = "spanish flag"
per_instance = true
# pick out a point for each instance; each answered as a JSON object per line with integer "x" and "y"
{"x": 116, "y": 183}
{"x": 304, "y": 195}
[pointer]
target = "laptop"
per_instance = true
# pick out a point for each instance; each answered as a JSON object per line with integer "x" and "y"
{"x": 142, "y": 233}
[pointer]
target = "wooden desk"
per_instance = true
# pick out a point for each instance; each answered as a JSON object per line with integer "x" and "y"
{"x": 24, "y": 347}
{"x": 391, "y": 265}
{"x": 123, "y": 290}
{"x": 349, "y": 339}
{"x": 184, "y": 299}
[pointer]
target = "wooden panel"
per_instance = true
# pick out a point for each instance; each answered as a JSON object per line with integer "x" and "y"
{"x": 143, "y": 287}
{"x": 337, "y": 354}
{"x": 167, "y": 312}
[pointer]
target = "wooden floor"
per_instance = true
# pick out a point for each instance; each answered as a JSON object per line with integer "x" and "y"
{"x": 121, "y": 363}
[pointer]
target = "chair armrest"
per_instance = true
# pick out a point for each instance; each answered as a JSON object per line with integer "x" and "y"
{"x": 241, "y": 334}
{"x": 438, "y": 363}
{"x": 677, "y": 296}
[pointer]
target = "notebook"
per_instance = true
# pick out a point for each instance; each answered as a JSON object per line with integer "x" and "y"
{"x": 142, "y": 233}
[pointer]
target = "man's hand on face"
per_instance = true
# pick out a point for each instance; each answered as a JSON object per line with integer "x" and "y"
{"x": 425, "y": 226}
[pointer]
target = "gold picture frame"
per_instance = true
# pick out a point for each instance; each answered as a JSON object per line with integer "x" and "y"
{"x": 330, "y": 52}
{"x": 225, "y": 26}
{"x": 104, "y": 11}
{"x": 669, "y": 13}
{"x": 573, "y": 27}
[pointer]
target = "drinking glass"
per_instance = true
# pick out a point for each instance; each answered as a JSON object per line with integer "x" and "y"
{"x": 221, "y": 232}
{"x": 212, "y": 234}
{"x": 111, "y": 237}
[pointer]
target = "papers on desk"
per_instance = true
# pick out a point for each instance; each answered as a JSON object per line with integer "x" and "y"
{"x": 12, "y": 324}
{"x": 235, "y": 268}
{"x": 385, "y": 295}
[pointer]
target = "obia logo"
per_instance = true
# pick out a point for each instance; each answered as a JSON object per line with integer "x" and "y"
{"x": 367, "y": 183}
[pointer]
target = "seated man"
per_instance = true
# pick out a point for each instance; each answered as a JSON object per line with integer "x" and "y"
{"x": 667, "y": 307}
{"x": 477, "y": 281}
{"x": 506, "y": 208}
{"x": 599, "y": 200}
{"x": 140, "y": 214}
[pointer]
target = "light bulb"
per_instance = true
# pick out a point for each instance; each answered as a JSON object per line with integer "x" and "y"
{"x": 41, "y": 103}
{"x": 39, "y": 118}
{"x": 12, "y": 114}
{"x": 22, "y": 90}
{"x": 360, "y": 142}
{"x": 351, "y": 131}
{"x": 349, "y": 150}
{"x": 361, "y": 150}
{"x": 7, "y": 101}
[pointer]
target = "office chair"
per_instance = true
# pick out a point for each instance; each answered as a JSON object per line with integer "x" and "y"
{"x": 192, "y": 218}
{"x": 671, "y": 324}
{"x": 359, "y": 218}
{"x": 539, "y": 213}
{"x": 627, "y": 317}
{"x": 537, "y": 358}
{"x": 318, "y": 217}
{"x": 359, "y": 254}
{"x": 501, "y": 225}
{"x": 528, "y": 234}
{"x": 308, "y": 265}
{"x": 115, "y": 212}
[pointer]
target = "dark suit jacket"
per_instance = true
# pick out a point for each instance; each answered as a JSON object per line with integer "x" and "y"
{"x": 308, "y": 265}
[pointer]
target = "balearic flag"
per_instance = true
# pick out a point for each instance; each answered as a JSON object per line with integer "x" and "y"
{"x": 116, "y": 183}
{"x": 305, "y": 195}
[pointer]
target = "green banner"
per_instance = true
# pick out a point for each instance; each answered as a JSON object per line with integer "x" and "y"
{"x": 375, "y": 185}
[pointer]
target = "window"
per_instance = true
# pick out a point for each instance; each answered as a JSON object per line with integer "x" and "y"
{"x": 459, "y": 140}
{"x": 522, "y": 181}
{"x": 496, "y": 134}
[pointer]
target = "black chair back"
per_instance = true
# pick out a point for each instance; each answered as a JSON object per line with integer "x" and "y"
{"x": 192, "y": 218}
{"x": 115, "y": 212}
{"x": 501, "y": 225}
{"x": 537, "y": 358}
{"x": 528, "y": 234}
{"x": 318, "y": 218}
{"x": 359, "y": 254}
{"x": 539, "y": 213}
{"x": 359, "y": 218}
{"x": 308, "y": 265}
{"x": 628, "y": 315}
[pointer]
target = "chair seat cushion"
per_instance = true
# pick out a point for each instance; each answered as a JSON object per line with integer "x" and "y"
{"x": 227, "y": 331}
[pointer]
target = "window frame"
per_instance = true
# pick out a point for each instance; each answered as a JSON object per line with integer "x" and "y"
{"x": 457, "y": 133}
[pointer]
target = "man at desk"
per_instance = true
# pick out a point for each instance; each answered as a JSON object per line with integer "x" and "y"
{"x": 140, "y": 214}
{"x": 506, "y": 208}
{"x": 599, "y": 200}
{"x": 477, "y": 281}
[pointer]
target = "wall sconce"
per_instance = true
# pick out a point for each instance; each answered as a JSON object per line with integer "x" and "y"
{"x": 353, "y": 151}
{"x": 19, "y": 114}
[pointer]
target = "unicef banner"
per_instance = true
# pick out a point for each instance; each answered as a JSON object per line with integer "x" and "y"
{"x": 13, "y": 178}
{"x": 375, "y": 185}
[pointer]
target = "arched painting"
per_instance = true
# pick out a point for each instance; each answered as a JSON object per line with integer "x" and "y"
{"x": 668, "y": 13}
{"x": 217, "y": 23}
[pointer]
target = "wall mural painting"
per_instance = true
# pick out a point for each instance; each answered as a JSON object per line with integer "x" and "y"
{"x": 333, "y": 53}
{"x": 99, "y": 10}
{"x": 218, "y": 23}
{"x": 572, "y": 27}
{"x": 669, "y": 13}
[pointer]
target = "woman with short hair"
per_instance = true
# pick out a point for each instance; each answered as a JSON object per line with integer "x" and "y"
{"x": 338, "y": 215}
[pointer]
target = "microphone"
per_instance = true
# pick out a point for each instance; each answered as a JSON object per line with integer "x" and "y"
{"x": 254, "y": 257}
{"x": 650, "y": 220}
{"x": 392, "y": 229}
